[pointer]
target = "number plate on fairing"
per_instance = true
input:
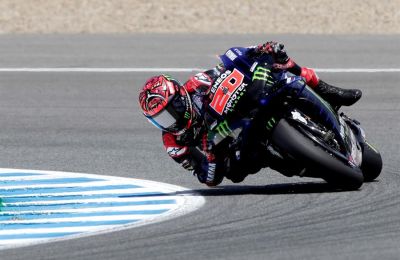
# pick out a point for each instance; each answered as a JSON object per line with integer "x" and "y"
{"x": 227, "y": 91}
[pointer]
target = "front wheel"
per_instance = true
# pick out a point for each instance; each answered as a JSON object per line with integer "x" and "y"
{"x": 317, "y": 161}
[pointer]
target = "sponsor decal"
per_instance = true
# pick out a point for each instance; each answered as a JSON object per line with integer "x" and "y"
{"x": 202, "y": 78}
{"x": 223, "y": 89}
{"x": 234, "y": 99}
{"x": 238, "y": 51}
{"x": 231, "y": 55}
{"x": 176, "y": 151}
{"x": 198, "y": 104}
{"x": 211, "y": 172}
{"x": 271, "y": 123}
{"x": 187, "y": 115}
{"x": 219, "y": 80}
{"x": 262, "y": 73}
{"x": 223, "y": 129}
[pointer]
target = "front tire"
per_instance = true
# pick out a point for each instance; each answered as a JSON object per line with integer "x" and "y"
{"x": 316, "y": 160}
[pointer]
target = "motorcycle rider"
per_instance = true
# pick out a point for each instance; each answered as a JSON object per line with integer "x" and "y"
{"x": 181, "y": 112}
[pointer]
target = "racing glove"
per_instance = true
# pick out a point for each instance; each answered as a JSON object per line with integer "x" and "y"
{"x": 187, "y": 164}
{"x": 283, "y": 62}
{"x": 278, "y": 52}
{"x": 269, "y": 47}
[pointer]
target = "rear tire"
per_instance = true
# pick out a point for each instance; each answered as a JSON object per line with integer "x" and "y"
{"x": 316, "y": 160}
{"x": 371, "y": 165}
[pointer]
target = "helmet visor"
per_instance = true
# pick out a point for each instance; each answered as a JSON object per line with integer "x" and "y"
{"x": 175, "y": 117}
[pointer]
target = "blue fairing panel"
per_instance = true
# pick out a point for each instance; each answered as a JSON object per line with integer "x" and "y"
{"x": 316, "y": 105}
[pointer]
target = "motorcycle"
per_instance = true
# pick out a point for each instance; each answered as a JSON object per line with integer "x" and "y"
{"x": 292, "y": 127}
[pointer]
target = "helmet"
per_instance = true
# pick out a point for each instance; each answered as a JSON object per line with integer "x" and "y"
{"x": 166, "y": 104}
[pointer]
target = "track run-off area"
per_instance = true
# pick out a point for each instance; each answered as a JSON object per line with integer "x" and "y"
{"x": 42, "y": 206}
{"x": 68, "y": 106}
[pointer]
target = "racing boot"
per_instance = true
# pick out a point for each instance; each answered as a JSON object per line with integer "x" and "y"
{"x": 337, "y": 97}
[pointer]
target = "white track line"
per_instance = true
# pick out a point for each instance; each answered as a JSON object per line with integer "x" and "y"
{"x": 62, "y": 185}
{"x": 100, "y": 69}
{"x": 132, "y": 191}
{"x": 53, "y": 230}
{"x": 91, "y": 210}
{"x": 114, "y": 70}
{"x": 15, "y": 242}
{"x": 80, "y": 201}
{"x": 357, "y": 70}
{"x": 33, "y": 177}
{"x": 80, "y": 219}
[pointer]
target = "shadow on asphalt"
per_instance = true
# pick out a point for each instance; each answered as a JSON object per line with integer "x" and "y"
{"x": 272, "y": 189}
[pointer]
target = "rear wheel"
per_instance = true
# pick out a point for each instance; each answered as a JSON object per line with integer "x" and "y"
{"x": 371, "y": 165}
{"x": 317, "y": 161}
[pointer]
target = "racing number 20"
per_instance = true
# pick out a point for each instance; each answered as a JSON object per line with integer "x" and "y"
{"x": 227, "y": 87}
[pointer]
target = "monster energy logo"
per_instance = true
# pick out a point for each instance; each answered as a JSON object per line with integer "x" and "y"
{"x": 270, "y": 124}
{"x": 187, "y": 115}
{"x": 223, "y": 129}
{"x": 262, "y": 73}
{"x": 168, "y": 77}
{"x": 234, "y": 99}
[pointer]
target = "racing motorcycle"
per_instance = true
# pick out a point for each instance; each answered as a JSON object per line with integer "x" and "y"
{"x": 294, "y": 126}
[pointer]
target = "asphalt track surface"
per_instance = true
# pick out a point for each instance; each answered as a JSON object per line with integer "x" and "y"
{"x": 90, "y": 122}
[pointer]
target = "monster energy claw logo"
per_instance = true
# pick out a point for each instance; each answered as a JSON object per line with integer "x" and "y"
{"x": 270, "y": 124}
{"x": 168, "y": 77}
{"x": 223, "y": 129}
{"x": 262, "y": 73}
{"x": 187, "y": 115}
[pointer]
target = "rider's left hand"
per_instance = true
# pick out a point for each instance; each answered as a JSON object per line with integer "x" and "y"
{"x": 278, "y": 52}
{"x": 187, "y": 164}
